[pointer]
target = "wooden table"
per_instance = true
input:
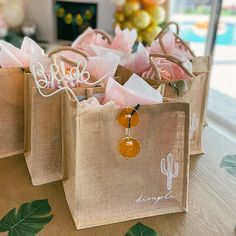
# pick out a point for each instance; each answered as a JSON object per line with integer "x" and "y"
{"x": 212, "y": 197}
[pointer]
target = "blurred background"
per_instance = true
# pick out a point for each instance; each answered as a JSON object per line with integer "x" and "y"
{"x": 199, "y": 20}
{"x": 208, "y": 25}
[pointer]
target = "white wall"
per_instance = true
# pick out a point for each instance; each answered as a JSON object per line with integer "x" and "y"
{"x": 41, "y": 13}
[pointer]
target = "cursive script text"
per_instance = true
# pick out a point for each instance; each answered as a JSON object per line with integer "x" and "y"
{"x": 155, "y": 199}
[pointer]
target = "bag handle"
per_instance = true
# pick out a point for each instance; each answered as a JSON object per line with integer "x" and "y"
{"x": 167, "y": 27}
{"x": 74, "y": 65}
{"x": 35, "y": 71}
{"x": 68, "y": 48}
{"x": 104, "y": 35}
{"x": 55, "y": 70}
{"x": 169, "y": 58}
{"x": 53, "y": 56}
{"x": 87, "y": 92}
{"x": 163, "y": 47}
{"x": 176, "y": 84}
{"x": 160, "y": 36}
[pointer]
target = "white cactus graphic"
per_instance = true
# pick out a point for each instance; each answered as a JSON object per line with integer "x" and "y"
{"x": 194, "y": 125}
{"x": 170, "y": 168}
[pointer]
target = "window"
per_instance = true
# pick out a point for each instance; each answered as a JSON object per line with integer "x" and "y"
{"x": 198, "y": 21}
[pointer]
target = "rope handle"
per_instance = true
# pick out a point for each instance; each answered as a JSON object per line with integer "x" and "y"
{"x": 162, "y": 33}
{"x": 167, "y": 27}
{"x": 77, "y": 73}
{"x": 38, "y": 69}
{"x": 104, "y": 35}
{"x": 68, "y": 48}
{"x": 163, "y": 47}
{"x": 74, "y": 65}
{"x": 170, "y": 58}
{"x": 53, "y": 56}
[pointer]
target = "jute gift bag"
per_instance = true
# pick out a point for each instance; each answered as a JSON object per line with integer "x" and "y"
{"x": 11, "y": 111}
{"x": 201, "y": 64}
{"x": 42, "y": 146}
{"x": 101, "y": 186}
{"x": 42, "y": 139}
{"x": 192, "y": 91}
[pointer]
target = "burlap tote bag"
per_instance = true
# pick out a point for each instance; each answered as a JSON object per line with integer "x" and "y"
{"x": 11, "y": 111}
{"x": 103, "y": 187}
{"x": 192, "y": 91}
{"x": 42, "y": 145}
{"x": 201, "y": 64}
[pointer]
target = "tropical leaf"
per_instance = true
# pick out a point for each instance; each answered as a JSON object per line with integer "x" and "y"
{"x": 30, "y": 218}
{"x": 229, "y": 163}
{"x": 141, "y": 230}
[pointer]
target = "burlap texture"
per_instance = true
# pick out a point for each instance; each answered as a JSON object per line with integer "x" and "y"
{"x": 101, "y": 186}
{"x": 11, "y": 111}
{"x": 42, "y": 145}
{"x": 196, "y": 95}
{"x": 42, "y": 133}
{"x": 203, "y": 65}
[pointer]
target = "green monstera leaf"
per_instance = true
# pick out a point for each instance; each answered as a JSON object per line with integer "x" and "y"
{"x": 30, "y": 218}
{"x": 229, "y": 163}
{"x": 141, "y": 230}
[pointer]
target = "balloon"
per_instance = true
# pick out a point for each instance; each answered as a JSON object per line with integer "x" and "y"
{"x": 68, "y": 18}
{"x": 60, "y": 12}
{"x": 140, "y": 37}
{"x": 127, "y": 25}
{"x": 118, "y": 2}
{"x": 157, "y": 13}
{"x": 151, "y": 33}
{"x": 141, "y": 19}
{"x": 131, "y": 6}
{"x": 79, "y": 19}
{"x": 13, "y": 14}
{"x": 115, "y": 24}
{"x": 88, "y": 14}
{"x": 151, "y": 2}
{"x": 119, "y": 16}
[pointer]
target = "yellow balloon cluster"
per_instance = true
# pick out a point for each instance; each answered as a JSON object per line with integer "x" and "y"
{"x": 145, "y": 16}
